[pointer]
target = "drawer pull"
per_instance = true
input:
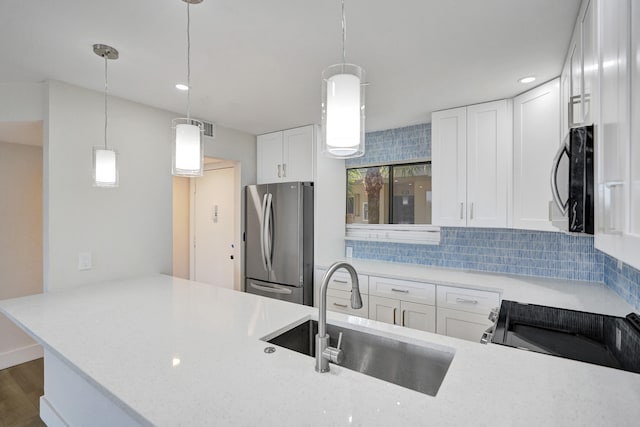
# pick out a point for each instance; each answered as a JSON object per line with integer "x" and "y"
{"x": 402, "y": 291}
{"x": 466, "y": 301}
{"x": 340, "y": 281}
{"x": 340, "y": 305}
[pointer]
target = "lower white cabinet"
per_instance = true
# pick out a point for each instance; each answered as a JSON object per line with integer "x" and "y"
{"x": 403, "y": 313}
{"x": 340, "y": 301}
{"x": 464, "y": 313}
{"x": 462, "y": 324}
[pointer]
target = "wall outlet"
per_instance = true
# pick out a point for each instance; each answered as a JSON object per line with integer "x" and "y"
{"x": 349, "y": 252}
{"x": 620, "y": 265}
{"x": 84, "y": 261}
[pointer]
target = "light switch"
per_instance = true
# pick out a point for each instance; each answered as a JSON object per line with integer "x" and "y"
{"x": 84, "y": 261}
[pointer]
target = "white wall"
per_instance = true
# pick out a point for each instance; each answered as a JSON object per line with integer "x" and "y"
{"x": 128, "y": 230}
{"x": 181, "y": 202}
{"x": 22, "y": 102}
{"x": 20, "y": 242}
{"x": 230, "y": 144}
{"x": 19, "y": 102}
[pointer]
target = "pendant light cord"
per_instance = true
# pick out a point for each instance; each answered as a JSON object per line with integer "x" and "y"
{"x": 106, "y": 90}
{"x": 188, "y": 65}
{"x": 344, "y": 34}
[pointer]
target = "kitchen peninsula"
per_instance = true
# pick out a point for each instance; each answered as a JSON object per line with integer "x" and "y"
{"x": 167, "y": 351}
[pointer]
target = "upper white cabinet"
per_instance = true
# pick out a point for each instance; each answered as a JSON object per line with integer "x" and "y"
{"x": 536, "y": 138}
{"x": 286, "y": 155}
{"x": 618, "y": 131}
{"x": 471, "y": 155}
{"x": 579, "y": 74}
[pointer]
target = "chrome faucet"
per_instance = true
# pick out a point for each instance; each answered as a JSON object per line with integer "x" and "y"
{"x": 325, "y": 353}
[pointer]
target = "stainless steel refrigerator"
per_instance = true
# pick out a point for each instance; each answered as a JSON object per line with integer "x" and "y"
{"x": 279, "y": 241}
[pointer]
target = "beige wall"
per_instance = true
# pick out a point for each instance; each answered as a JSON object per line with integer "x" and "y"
{"x": 20, "y": 241}
{"x": 181, "y": 227}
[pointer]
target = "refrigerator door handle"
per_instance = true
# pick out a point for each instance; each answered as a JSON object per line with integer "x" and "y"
{"x": 262, "y": 224}
{"x": 268, "y": 232}
{"x": 270, "y": 289}
{"x": 563, "y": 206}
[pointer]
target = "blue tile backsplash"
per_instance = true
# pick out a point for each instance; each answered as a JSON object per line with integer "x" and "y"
{"x": 521, "y": 252}
{"x": 407, "y": 144}
{"x": 529, "y": 253}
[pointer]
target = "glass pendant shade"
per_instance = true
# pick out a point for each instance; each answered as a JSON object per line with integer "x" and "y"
{"x": 105, "y": 167}
{"x": 343, "y": 111}
{"x": 188, "y": 150}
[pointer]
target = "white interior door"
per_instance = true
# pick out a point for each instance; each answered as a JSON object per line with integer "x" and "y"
{"x": 214, "y": 219}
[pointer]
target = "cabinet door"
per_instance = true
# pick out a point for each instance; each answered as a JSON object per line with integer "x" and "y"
{"x": 269, "y": 158}
{"x": 536, "y": 137}
{"x": 449, "y": 163}
{"x": 384, "y": 309}
{"x": 462, "y": 324}
{"x": 418, "y": 316}
{"x": 565, "y": 90}
{"x": 297, "y": 154}
{"x": 489, "y": 162}
{"x": 589, "y": 64}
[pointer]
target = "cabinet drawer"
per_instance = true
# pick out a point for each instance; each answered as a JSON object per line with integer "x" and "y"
{"x": 420, "y": 292}
{"x": 340, "y": 301}
{"x": 470, "y": 300}
{"x": 341, "y": 281}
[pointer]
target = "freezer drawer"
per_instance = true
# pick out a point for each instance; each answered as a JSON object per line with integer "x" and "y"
{"x": 272, "y": 290}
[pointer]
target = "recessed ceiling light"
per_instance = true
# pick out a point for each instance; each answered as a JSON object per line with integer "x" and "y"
{"x": 528, "y": 79}
{"x": 182, "y": 86}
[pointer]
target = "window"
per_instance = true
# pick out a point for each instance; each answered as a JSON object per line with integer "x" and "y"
{"x": 390, "y": 194}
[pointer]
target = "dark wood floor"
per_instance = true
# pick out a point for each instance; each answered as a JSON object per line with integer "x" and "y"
{"x": 20, "y": 390}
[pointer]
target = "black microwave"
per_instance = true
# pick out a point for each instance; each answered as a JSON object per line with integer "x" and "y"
{"x": 572, "y": 182}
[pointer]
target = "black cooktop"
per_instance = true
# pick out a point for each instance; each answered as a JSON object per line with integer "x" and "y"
{"x": 588, "y": 337}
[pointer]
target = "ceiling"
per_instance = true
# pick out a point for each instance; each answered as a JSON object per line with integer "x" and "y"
{"x": 256, "y": 64}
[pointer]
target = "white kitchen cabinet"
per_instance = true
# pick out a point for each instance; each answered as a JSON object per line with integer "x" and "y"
{"x": 580, "y": 70}
{"x": 618, "y": 134}
{"x": 461, "y": 324}
{"x": 464, "y": 313}
{"x": 403, "y": 313}
{"x": 402, "y": 302}
{"x": 471, "y": 164}
{"x": 536, "y": 138}
{"x": 286, "y": 156}
{"x": 339, "y": 292}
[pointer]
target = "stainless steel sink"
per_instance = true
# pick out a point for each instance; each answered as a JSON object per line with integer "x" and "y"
{"x": 408, "y": 365}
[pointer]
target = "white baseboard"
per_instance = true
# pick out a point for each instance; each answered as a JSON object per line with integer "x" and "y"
{"x": 20, "y": 355}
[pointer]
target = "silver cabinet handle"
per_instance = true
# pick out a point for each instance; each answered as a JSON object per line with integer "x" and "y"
{"x": 279, "y": 171}
{"x": 340, "y": 305}
{"x": 471, "y": 214}
{"x": 461, "y": 210}
{"x": 402, "y": 291}
{"x": 466, "y": 301}
{"x": 394, "y": 315}
{"x": 403, "y": 312}
{"x": 284, "y": 170}
{"x": 340, "y": 281}
{"x": 271, "y": 289}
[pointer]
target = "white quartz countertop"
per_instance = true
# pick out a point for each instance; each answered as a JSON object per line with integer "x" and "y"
{"x": 571, "y": 294}
{"x": 125, "y": 335}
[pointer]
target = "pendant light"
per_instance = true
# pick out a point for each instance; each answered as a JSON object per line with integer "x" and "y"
{"x": 105, "y": 160}
{"x": 343, "y": 106}
{"x": 187, "y": 144}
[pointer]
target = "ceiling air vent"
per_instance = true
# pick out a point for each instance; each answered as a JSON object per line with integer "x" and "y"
{"x": 209, "y": 129}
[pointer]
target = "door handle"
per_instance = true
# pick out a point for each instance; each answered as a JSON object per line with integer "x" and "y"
{"x": 271, "y": 289}
{"x": 284, "y": 170}
{"x": 262, "y": 224}
{"x": 563, "y": 206}
{"x": 279, "y": 171}
{"x": 461, "y": 210}
{"x": 268, "y": 232}
{"x": 403, "y": 313}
